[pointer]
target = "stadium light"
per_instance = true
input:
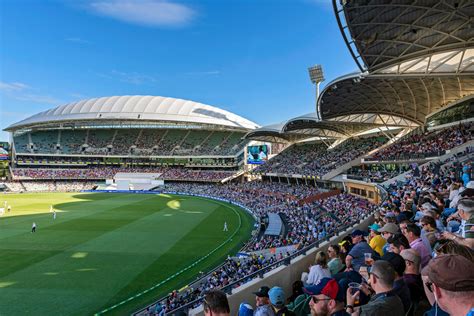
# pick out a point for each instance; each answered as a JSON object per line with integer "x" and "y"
{"x": 316, "y": 75}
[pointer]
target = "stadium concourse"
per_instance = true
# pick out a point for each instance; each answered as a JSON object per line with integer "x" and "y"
{"x": 404, "y": 121}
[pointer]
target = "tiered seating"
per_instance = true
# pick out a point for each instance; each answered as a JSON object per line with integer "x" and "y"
{"x": 149, "y": 138}
{"x": 428, "y": 144}
{"x": 193, "y": 139}
{"x": 306, "y": 224}
{"x": 21, "y": 143}
{"x": 72, "y": 141}
{"x": 124, "y": 139}
{"x": 170, "y": 141}
{"x": 315, "y": 159}
{"x": 214, "y": 140}
{"x": 44, "y": 142}
{"x": 98, "y": 141}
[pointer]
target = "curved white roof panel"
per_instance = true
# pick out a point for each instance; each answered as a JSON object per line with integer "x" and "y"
{"x": 138, "y": 108}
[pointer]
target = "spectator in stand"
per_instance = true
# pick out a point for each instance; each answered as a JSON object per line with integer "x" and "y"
{"x": 376, "y": 242}
{"x": 465, "y": 235}
{"x": 400, "y": 288}
{"x": 412, "y": 275}
{"x": 262, "y": 300}
{"x": 356, "y": 258}
{"x": 412, "y": 233}
{"x": 383, "y": 302}
{"x": 319, "y": 270}
{"x": 327, "y": 298}
{"x": 277, "y": 299}
{"x": 398, "y": 243}
{"x": 215, "y": 303}
{"x": 450, "y": 279}
{"x": 428, "y": 227}
{"x": 387, "y": 231}
{"x": 335, "y": 264}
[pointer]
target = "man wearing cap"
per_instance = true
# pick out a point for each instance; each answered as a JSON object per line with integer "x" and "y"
{"x": 355, "y": 259}
{"x": 376, "y": 241}
{"x": 388, "y": 230}
{"x": 263, "y": 302}
{"x": 277, "y": 299}
{"x": 327, "y": 298}
{"x": 451, "y": 281}
{"x": 412, "y": 274}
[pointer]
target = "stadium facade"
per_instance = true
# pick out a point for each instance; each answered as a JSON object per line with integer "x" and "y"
{"x": 145, "y": 130}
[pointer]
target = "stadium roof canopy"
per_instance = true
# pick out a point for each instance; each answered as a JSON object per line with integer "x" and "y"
{"x": 139, "y": 109}
{"x": 382, "y": 33}
{"x": 310, "y": 126}
{"x": 401, "y": 99}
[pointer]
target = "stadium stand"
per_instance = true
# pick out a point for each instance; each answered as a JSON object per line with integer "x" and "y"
{"x": 429, "y": 212}
{"x": 427, "y": 144}
{"x": 314, "y": 159}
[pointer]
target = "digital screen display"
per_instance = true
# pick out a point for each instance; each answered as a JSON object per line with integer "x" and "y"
{"x": 3, "y": 154}
{"x": 257, "y": 154}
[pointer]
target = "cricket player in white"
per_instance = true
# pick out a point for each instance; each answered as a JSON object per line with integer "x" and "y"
{"x": 54, "y": 214}
{"x": 225, "y": 227}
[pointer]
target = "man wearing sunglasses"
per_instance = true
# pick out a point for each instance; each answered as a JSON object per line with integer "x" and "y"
{"x": 327, "y": 298}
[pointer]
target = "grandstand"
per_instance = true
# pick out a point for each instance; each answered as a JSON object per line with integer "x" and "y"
{"x": 395, "y": 136}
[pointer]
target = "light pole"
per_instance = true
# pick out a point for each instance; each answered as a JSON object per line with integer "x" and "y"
{"x": 316, "y": 75}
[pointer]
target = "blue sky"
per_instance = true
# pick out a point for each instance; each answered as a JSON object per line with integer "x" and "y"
{"x": 249, "y": 57}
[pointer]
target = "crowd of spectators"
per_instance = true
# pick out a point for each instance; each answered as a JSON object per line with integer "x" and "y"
{"x": 417, "y": 257}
{"x": 49, "y": 186}
{"x": 107, "y": 172}
{"x": 316, "y": 159}
{"x": 306, "y": 224}
{"x": 426, "y": 144}
{"x": 377, "y": 176}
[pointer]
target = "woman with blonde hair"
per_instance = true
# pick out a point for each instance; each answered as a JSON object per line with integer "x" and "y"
{"x": 319, "y": 270}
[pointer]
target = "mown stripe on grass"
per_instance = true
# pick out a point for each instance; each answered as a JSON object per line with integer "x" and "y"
{"x": 171, "y": 277}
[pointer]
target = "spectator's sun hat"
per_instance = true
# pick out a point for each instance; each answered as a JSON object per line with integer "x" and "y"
{"x": 277, "y": 296}
{"x": 374, "y": 227}
{"x": 454, "y": 273}
{"x": 389, "y": 228}
{"x": 262, "y": 292}
{"x": 411, "y": 255}
{"x": 328, "y": 287}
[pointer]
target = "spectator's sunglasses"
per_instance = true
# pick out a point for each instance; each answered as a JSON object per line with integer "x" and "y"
{"x": 317, "y": 300}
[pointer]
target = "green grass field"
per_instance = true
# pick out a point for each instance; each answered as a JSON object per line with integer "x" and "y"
{"x": 104, "y": 248}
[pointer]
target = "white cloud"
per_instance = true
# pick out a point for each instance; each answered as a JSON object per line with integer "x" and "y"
{"x": 38, "y": 98}
{"x": 79, "y": 96}
{"x": 154, "y": 13}
{"x": 12, "y": 86}
{"x": 23, "y": 92}
{"x": 204, "y": 73}
{"x": 129, "y": 77}
{"x": 77, "y": 40}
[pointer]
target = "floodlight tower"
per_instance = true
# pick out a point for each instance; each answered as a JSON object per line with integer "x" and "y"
{"x": 316, "y": 75}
